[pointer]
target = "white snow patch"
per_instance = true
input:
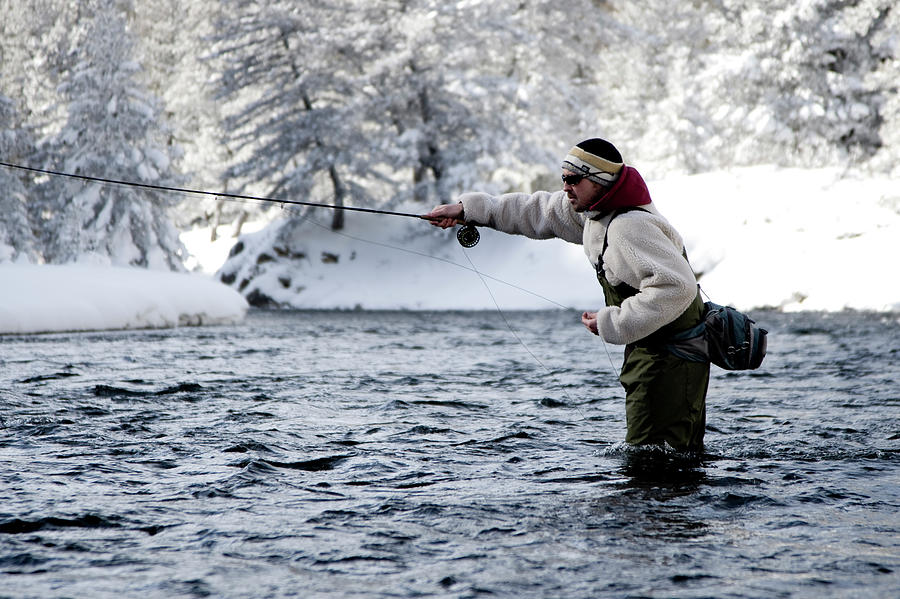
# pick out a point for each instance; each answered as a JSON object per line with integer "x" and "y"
{"x": 81, "y": 297}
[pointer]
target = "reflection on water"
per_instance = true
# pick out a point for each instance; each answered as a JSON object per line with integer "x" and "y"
{"x": 658, "y": 486}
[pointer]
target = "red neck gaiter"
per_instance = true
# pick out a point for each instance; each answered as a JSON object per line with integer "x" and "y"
{"x": 628, "y": 191}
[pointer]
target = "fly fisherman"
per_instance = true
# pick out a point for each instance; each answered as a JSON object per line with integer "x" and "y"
{"x": 650, "y": 290}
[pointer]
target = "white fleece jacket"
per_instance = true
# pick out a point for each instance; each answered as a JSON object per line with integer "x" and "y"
{"x": 644, "y": 251}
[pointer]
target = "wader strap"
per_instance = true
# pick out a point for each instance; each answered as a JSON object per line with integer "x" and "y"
{"x": 606, "y": 241}
{"x": 616, "y": 294}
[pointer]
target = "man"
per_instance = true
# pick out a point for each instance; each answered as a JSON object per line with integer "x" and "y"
{"x": 650, "y": 290}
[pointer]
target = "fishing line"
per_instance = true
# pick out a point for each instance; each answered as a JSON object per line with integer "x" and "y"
{"x": 524, "y": 345}
{"x": 482, "y": 277}
{"x": 467, "y": 234}
{"x": 438, "y": 259}
{"x": 215, "y": 194}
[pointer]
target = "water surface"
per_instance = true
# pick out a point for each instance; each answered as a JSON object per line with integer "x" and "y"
{"x": 434, "y": 454}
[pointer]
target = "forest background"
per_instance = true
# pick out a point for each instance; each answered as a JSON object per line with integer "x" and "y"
{"x": 391, "y": 102}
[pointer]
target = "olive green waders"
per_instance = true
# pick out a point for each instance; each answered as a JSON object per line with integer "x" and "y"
{"x": 665, "y": 396}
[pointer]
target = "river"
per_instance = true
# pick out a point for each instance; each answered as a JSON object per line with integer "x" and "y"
{"x": 425, "y": 454}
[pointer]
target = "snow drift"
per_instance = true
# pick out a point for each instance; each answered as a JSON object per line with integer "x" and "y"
{"x": 47, "y": 298}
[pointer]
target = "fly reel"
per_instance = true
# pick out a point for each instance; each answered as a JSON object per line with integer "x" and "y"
{"x": 468, "y": 236}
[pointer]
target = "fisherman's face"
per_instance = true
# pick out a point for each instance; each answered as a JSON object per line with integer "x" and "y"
{"x": 583, "y": 193}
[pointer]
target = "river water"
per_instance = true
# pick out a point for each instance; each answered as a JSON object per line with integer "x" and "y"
{"x": 418, "y": 454}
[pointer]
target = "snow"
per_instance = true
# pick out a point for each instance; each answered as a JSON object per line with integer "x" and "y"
{"x": 762, "y": 237}
{"x": 207, "y": 256}
{"x": 84, "y": 297}
{"x": 789, "y": 238}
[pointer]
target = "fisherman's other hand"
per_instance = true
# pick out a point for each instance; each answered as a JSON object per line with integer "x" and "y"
{"x": 589, "y": 319}
{"x": 446, "y": 215}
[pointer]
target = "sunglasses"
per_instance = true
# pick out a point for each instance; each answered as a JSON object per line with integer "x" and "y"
{"x": 572, "y": 179}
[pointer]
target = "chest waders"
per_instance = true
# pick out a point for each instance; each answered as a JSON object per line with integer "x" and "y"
{"x": 665, "y": 396}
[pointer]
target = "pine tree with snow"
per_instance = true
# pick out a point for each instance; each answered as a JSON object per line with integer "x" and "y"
{"x": 288, "y": 77}
{"x": 375, "y": 102}
{"x": 757, "y": 81}
{"x": 113, "y": 130}
{"x": 17, "y": 242}
{"x": 443, "y": 96}
{"x": 388, "y": 102}
{"x": 173, "y": 44}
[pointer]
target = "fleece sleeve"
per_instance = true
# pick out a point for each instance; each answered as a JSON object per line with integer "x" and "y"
{"x": 644, "y": 255}
{"x": 539, "y": 215}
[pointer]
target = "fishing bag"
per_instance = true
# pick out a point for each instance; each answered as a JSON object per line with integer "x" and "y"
{"x": 735, "y": 341}
{"x": 726, "y": 337}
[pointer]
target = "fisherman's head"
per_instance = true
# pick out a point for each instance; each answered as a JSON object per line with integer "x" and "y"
{"x": 589, "y": 170}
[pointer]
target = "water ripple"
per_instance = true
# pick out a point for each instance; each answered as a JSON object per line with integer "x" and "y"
{"x": 380, "y": 455}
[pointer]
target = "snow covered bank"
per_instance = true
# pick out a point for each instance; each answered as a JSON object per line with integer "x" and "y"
{"x": 790, "y": 238}
{"x": 38, "y": 299}
{"x": 761, "y": 237}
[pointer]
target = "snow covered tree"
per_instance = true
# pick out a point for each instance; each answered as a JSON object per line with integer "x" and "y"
{"x": 114, "y": 130}
{"x": 573, "y": 79}
{"x": 34, "y": 42}
{"x": 444, "y": 95}
{"x": 287, "y": 79}
{"x": 174, "y": 46}
{"x": 800, "y": 84}
{"x": 17, "y": 242}
{"x": 742, "y": 82}
{"x": 379, "y": 102}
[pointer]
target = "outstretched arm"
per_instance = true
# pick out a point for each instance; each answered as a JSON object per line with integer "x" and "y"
{"x": 540, "y": 215}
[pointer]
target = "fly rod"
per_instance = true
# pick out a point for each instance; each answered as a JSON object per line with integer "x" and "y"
{"x": 467, "y": 235}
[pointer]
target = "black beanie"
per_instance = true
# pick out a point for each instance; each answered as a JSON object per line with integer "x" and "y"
{"x": 596, "y": 159}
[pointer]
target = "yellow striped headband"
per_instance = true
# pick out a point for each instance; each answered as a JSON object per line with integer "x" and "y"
{"x": 596, "y": 168}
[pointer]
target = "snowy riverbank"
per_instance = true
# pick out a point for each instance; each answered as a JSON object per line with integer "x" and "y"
{"x": 47, "y": 298}
{"x": 762, "y": 237}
